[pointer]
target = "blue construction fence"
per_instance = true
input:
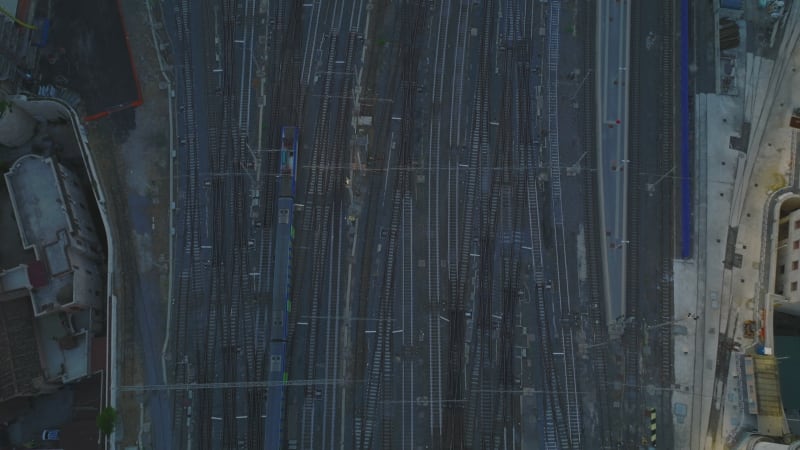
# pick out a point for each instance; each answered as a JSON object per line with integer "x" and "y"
{"x": 685, "y": 167}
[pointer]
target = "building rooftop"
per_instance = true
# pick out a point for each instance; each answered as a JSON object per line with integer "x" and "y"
{"x": 771, "y": 421}
{"x": 19, "y": 355}
{"x": 63, "y": 285}
{"x": 62, "y": 273}
{"x": 37, "y": 201}
{"x": 66, "y": 355}
{"x": 14, "y": 279}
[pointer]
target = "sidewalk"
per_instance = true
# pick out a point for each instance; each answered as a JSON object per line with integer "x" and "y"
{"x": 733, "y": 191}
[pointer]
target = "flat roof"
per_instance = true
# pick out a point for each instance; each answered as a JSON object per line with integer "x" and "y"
{"x": 34, "y": 190}
{"x": 14, "y": 278}
{"x": 65, "y": 356}
{"x": 19, "y": 359}
{"x": 56, "y": 254}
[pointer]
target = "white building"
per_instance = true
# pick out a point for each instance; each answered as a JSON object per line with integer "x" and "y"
{"x": 787, "y": 282}
{"x": 66, "y": 282}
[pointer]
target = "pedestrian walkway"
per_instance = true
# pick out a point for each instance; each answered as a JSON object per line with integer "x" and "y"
{"x": 745, "y": 150}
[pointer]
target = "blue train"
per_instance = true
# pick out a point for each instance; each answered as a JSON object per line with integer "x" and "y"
{"x": 281, "y": 287}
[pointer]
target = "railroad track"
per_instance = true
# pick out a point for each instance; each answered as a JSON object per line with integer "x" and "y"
{"x": 597, "y": 331}
{"x": 324, "y": 189}
{"x": 433, "y": 263}
{"x": 530, "y": 159}
{"x": 562, "y": 285}
{"x": 514, "y": 145}
{"x": 318, "y": 228}
{"x": 283, "y": 47}
{"x": 333, "y": 180}
{"x": 667, "y": 161}
{"x": 632, "y": 337}
{"x": 228, "y": 260}
{"x": 667, "y": 158}
{"x": 461, "y": 232}
{"x": 505, "y": 149}
{"x": 216, "y": 301}
{"x": 379, "y": 371}
{"x": 187, "y": 285}
{"x": 476, "y": 428}
{"x": 407, "y": 356}
{"x": 554, "y": 434}
{"x": 375, "y": 429}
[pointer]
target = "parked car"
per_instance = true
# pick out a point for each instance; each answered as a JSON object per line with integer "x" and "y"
{"x": 51, "y": 434}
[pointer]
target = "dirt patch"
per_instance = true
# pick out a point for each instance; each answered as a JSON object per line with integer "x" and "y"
{"x": 131, "y": 150}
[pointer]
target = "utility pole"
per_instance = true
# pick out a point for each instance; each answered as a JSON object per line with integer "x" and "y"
{"x": 232, "y": 385}
{"x": 651, "y": 187}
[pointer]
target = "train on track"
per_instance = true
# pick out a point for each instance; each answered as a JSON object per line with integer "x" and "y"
{"x": 281, "y": 286}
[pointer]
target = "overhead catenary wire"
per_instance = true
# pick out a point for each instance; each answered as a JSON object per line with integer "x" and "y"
{"x": 399, "y": 168}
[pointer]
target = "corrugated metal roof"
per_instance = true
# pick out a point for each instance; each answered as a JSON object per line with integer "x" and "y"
{"x": 771, "y": 421}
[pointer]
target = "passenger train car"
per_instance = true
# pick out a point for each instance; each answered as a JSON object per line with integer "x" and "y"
{"x": 281, "y": 287}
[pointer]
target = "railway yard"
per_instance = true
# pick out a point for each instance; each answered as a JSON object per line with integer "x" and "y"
{"x": 452, "y": 259}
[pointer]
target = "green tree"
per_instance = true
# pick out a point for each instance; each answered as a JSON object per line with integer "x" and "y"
{"x": 4, "y": 106}
{"x": 106, "y": 420}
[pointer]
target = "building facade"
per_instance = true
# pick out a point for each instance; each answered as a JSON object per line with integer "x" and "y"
{"x": 787, "y": 282}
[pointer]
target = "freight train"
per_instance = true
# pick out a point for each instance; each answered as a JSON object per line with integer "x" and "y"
{"x": 281, "y": 287}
